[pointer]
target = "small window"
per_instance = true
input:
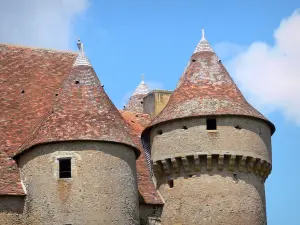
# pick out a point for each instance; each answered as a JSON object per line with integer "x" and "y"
{"x": 65, "y": 168}
{"x": 159, "y": 132}
{"x": 211, "y": 124}
{"x": 171, "y": 183}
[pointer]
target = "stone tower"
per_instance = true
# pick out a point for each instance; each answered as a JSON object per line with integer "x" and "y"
{"x": 135, "y": 102}
{"x": 78, "y": 166}
{"x": 210, "y": 149}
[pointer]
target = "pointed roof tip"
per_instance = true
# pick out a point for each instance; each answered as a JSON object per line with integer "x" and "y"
{"x": 81, "y": 59}
{"x": 203, "y": 34}
{"x": 142, "y": 78}
{"x": 203, "y": 45}
{"x": 142, "y": 88}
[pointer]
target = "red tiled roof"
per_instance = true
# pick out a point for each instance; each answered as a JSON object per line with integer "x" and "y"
{"x": 10, "y": 183}
{"x": 29, "y": 79}
{"x": 81, "y": 111}
{"x": 138, "y": 122}
{"x": 206, "y": 89}
{"x": 31, "y": 112}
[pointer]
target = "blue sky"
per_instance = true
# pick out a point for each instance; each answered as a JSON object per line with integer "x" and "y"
{"x": 126, "y": 38}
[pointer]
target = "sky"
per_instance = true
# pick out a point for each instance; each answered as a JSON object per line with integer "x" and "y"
{"x": 258, "y": 41}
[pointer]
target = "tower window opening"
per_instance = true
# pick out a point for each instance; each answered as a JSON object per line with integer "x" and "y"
{"x": 235, "y": 176}
{"x": 211, "y": 124}
{"x": 171, "y": 183}
{"x": 65, "y": 168}
{"x": 76, "y": 82}
{"x": 238, "y": 127}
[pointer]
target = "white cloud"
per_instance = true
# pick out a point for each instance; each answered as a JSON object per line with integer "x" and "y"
{"x": 41, "y": 23}
{"x": 227, "y": 50}
{"x": 270, "y": 75}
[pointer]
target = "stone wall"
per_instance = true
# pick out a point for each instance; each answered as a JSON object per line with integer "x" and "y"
{"x": 150, "y": 214}
{"x": 11, "y": 210}
{"x": 234, "y": 135}
{"x": 212, "y": 176}
{"x": 155, "y": 102}
{"x": 102, "y": 190}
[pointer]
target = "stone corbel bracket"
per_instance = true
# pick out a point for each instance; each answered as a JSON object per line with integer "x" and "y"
{"x": 199, "y": 163}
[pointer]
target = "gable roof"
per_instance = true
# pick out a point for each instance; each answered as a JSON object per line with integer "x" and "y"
{"x": 147, "y": 190}
{"x": 206, "y": 89}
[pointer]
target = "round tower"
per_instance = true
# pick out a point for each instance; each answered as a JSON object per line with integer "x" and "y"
{"x": 210, "y": 149}
{"x": 135, "y": 102}
{"x": 78, "y": 167}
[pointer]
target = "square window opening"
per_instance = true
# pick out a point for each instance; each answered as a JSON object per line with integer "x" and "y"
{"x": 211, "y": 124}
{"x": 171, "y": 183}
{"x": 65, "y": 168}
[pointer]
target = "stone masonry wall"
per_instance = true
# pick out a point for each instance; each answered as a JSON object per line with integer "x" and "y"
{"x": 212, "y": 176}
{"x": 102, "y": 190}
{"x": 11, "y": 210}
{"x": 150, "y": 214}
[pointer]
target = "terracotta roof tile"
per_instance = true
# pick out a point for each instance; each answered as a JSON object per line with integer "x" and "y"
{"x": 33, "y": 82}
{"x": 206, "y": 89}
{"x": 135, "y": 102}
{"x": 10, "y": 183}
{"x": 137, "y": 122}
{"x": 29, "y": 80}
{"x": 81, "y": 111}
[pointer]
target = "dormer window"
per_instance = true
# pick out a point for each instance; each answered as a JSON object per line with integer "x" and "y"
{"x": 211, "y": 124}
{"x": 65, "y": 168}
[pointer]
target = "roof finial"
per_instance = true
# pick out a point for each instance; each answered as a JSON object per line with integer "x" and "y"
{"x": 203, "y": 34}
{"x": 80, "y": 46}
{"x": 81, "y": 59}
{"x": 142, "y": 78}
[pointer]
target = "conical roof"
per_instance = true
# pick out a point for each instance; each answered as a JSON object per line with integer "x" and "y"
{"x": 81, "y": 111}
{"x": 135, "y": 102}
{"x": 206, "y": 89}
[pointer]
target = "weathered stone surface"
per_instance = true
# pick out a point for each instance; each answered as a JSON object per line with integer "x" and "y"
{"x": 11, "y": 210}
{"x": 253, "y": 139}
{"x": 150, "y": 214}
{"x": 102, "y": 190}
{"x": 213, "y": 185}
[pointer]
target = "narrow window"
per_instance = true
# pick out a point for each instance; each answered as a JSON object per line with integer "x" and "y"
{"x": 211, "y": 124}
{"x": 65, "y": 168}
{"x": 171, "y": 183}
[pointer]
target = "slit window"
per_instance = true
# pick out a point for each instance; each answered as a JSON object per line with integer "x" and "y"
{"x": 211, "y": 124}
{"x": 171, "y": 183}
{"x": 65, "y": 168}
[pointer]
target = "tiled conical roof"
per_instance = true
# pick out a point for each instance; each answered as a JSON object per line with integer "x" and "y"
{"x": 135, "y": 102}
{"x": 206, "y": 89}
{"x": 82, "y": 111}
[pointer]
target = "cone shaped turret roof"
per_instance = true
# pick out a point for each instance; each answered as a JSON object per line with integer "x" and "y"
{"x": 81, "y": 111}
{"x": 206, "y": 89}
{"x": 135, "y": 102}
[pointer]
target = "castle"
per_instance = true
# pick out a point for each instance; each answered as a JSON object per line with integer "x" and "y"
{"x": 197, "y": 155}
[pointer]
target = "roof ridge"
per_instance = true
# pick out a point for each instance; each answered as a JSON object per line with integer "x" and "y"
{"x": 38, "y": 48}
